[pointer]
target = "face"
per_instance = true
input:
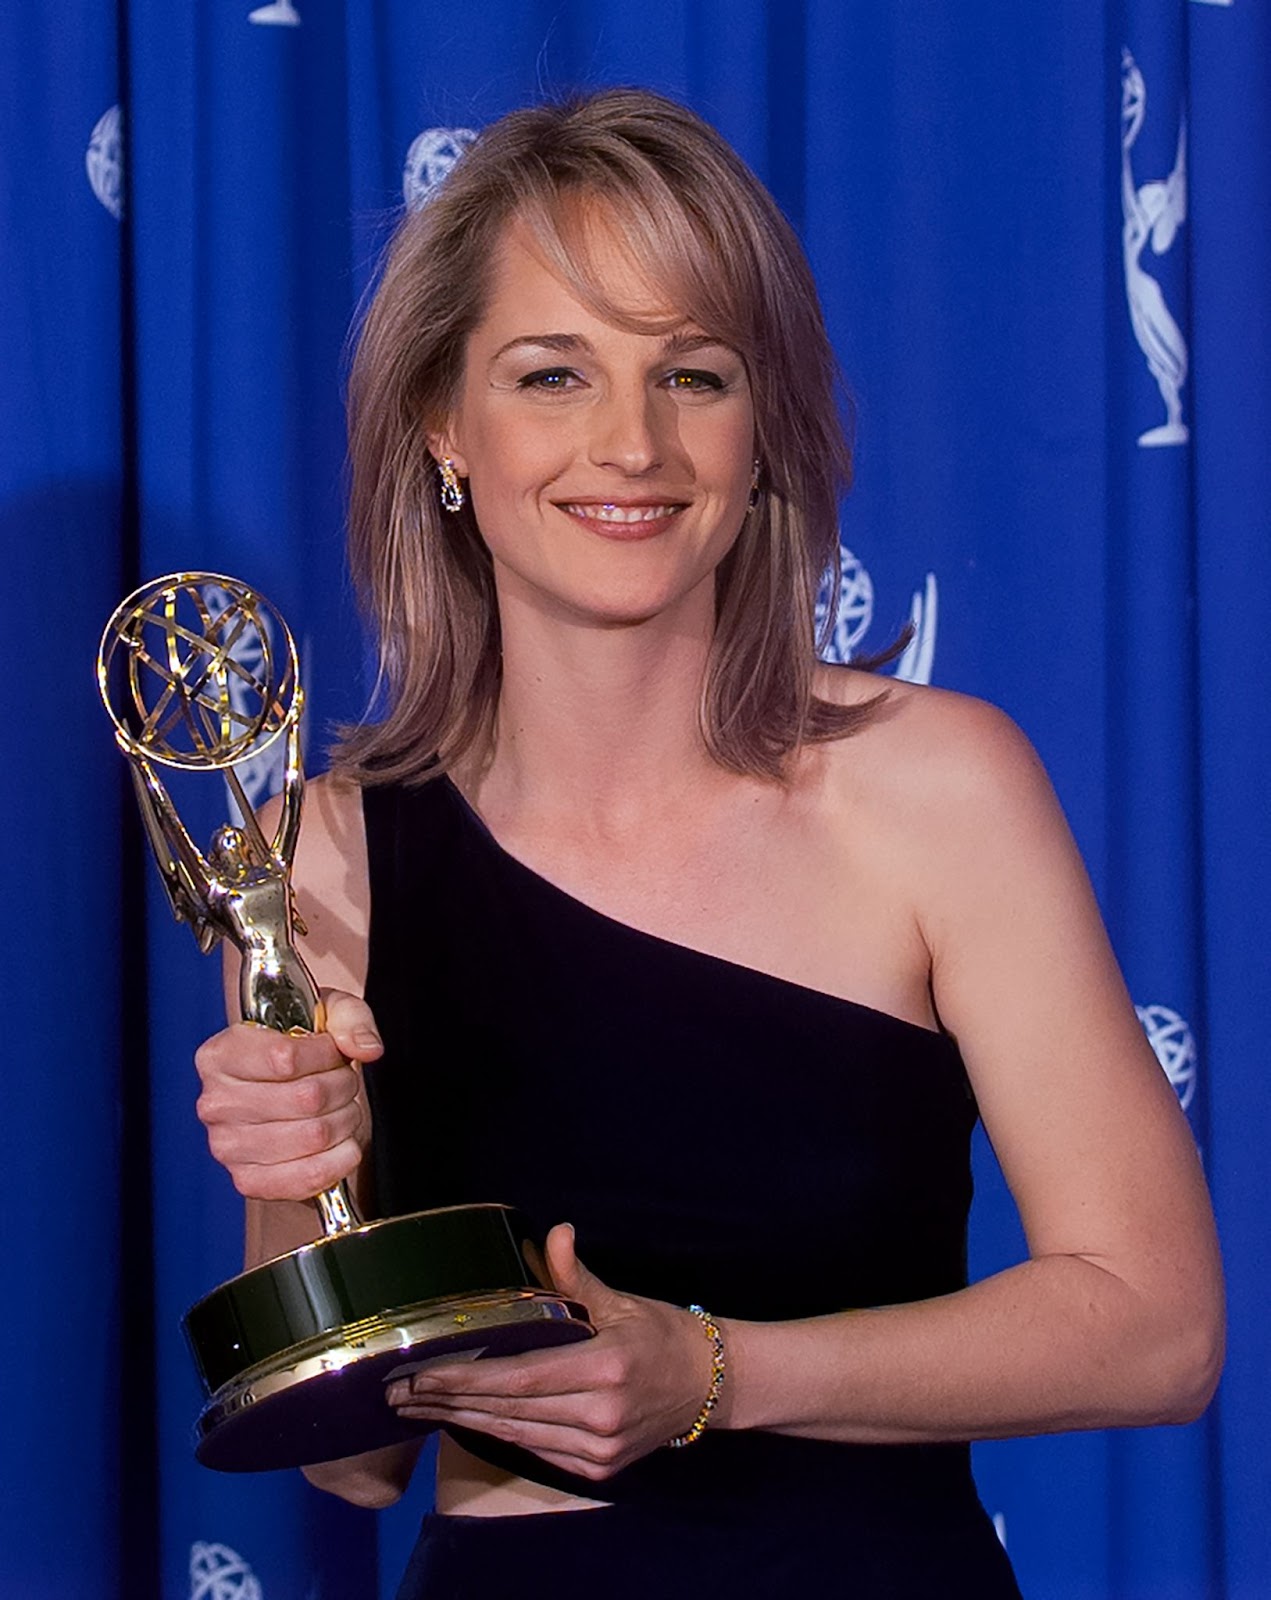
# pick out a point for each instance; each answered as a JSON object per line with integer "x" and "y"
{"x": 609, "y": 471}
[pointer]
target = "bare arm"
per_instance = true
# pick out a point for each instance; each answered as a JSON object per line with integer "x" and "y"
{"x": 1116, "y": 1318}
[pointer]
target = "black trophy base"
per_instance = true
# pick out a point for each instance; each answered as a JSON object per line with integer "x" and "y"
{"x": 295, "y": 1355}
{"x": 326, "y": 1403}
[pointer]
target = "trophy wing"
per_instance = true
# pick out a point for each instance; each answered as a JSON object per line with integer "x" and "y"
{"x": 283, "y": 847}
{"x": 184, "y": 872}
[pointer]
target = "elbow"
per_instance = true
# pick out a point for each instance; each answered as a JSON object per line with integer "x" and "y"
{"x": 374, "y": 1480}
{"x": 1186, "y": 1368}
{"x": 1198, "y": 1370}
{"x": 365, "y": 1489}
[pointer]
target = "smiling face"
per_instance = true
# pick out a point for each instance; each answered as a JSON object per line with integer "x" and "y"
{"x": 609, "y": 469}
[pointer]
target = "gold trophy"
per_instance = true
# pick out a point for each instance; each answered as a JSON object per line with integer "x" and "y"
{"x": 198, "y": 671}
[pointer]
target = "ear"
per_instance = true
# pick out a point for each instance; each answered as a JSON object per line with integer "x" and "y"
{"x": 442, "y": 443}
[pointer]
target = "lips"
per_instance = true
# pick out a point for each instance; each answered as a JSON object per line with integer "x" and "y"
{"x": 616, "y": 519}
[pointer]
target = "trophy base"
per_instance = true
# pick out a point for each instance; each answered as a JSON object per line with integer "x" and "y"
{"x": 295, "y": 1354}
{"x": 327, "y": 1401}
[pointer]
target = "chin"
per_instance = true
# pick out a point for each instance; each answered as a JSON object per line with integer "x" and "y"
{"x": 609, "y": 601}
{"x": 604, "y": 595}
{"x": 626, "y": 613}
{"x": 632, "y": 604}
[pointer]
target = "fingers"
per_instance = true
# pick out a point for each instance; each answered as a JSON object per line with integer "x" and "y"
{"x": 562, "y": 1262}
{"x": 285, "y": 1113}
{"x": 352, "y": 1026}
{"x": 582, "y": 1432}
{"x": 233, "y": 1141}
{"x": 247, "y": 1052}
{"x": 573, "y": 1449}
{"x": 316, "y": 1094}
{"x": 567, "y": 1411}
{"x": 297, "y": 1180}
{"x": 572, "y": 1369}
{"x": 575, "y": 1282}
{"x": 571, "y": 1407}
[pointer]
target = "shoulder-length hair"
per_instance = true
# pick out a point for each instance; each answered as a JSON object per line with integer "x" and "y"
{"x": 712, "y": 236}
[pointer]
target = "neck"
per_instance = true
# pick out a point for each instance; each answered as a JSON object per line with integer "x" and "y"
{"x": 599, "y": 722}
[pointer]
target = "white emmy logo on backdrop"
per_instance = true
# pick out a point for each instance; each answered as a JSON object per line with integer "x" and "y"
{"x": 855, "y": 608}
{"x": 104, "y": 161}
{"x": 1155, "y": 211}
{"x": 219, "y": 1573}
{"x": 429, "y": 159}
{"x": 1175, "y": 1048}
{"x": 279, "y": 14}
{"x": 856, "y": 612}
{"x": 919, "y": 657}
{"x": 260, "y": 775}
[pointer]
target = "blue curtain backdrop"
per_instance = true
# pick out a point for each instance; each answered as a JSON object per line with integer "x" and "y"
{"x": 1041, "y": 234}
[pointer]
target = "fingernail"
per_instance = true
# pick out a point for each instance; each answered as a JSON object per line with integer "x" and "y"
{"x": 367, "y": 1038}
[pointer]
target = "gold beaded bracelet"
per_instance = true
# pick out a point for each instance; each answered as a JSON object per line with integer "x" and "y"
{"x": 717, "y": 1381}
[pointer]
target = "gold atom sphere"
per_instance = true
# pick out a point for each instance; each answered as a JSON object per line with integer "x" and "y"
{"x": 197, "y": 670}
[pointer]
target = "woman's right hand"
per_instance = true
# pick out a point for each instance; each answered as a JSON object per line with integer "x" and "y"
{"x": 286, "y": 1114}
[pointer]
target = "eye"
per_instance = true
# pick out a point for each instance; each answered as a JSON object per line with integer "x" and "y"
{"x": 687, "y": 380}
{"x": 548, "y": 379}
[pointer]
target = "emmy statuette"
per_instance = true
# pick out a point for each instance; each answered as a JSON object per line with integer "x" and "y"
{"x": 198, "y": 671}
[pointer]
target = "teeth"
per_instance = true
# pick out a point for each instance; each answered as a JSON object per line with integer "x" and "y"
{"x": 612, "y": 513}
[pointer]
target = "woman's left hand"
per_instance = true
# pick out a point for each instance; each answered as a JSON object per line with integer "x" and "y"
{"x": 590, "y": 1408}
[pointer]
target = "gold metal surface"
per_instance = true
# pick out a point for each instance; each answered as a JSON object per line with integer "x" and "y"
{"x": 403, "y": 1331}
{"x": 198, "y": 671}
{"x": 177, "y": 671}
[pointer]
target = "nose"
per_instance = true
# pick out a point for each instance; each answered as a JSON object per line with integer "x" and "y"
{"x": 626, "y": 435}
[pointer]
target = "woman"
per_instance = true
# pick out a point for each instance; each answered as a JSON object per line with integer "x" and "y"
{"x": 670, "y": 931}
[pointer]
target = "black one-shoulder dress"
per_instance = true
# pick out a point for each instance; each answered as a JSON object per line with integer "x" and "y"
{"x": 716, "y": 1135}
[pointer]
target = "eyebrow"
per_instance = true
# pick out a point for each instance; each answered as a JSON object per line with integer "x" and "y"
{"x": 674, "y": 344}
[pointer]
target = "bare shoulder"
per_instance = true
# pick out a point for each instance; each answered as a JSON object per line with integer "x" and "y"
{"x": 330, "y": 877}
{"x": 976, "y": 836}
{"x": 959, "y": 807}
{"x": 937, "y": 759}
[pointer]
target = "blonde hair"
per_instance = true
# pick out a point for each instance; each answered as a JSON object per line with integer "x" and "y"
{"x": 729, "y": 261}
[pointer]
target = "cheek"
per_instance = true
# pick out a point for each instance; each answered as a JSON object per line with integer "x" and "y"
{"x": 511, "y": 458}
{"x": 723, "y": 449}
{"x": 510, "y": 467}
